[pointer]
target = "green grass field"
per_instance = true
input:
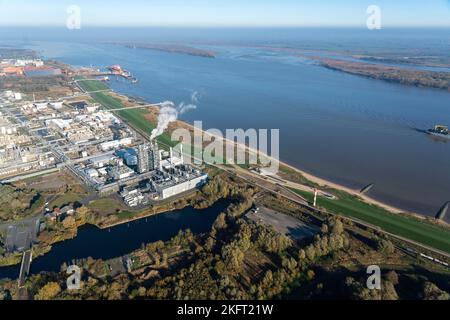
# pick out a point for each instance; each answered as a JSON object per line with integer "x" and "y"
{"x": 408, "y": 227}
{"x": 105, "y": 206}
{"x": 65, "y": 199}
{"x": 135, "y": 117}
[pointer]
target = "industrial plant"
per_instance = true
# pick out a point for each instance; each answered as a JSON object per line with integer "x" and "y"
{"x": 39, "y": 137}
{"x": 141, "y": 174}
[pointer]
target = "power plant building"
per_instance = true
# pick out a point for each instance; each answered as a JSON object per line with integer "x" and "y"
{"x": 177, "y": 186}
{"x": 143, "y": 173}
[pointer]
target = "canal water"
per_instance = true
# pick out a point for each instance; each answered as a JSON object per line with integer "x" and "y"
{"x": 120, "y": 240}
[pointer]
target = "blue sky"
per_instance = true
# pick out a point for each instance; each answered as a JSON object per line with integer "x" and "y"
{"x": 282, "y": 13}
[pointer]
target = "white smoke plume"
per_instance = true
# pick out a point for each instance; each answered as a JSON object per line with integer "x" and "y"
{"x": 168, "y": 113}
{"x": 183, "y": 108}
{"x": 194, "y": 97}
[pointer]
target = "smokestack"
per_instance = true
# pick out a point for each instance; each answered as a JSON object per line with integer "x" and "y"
{"x": 181, "y": 153}
{"x": 171, "y": 155}
{"x": 159, "y": 155}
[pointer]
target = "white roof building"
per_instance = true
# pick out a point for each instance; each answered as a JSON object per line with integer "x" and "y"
{"x": 41, "y": 105}
{"x": 56, "y": 105}
{"x": 60, "y": 123}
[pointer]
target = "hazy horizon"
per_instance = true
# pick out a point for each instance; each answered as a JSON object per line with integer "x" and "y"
{"x": 247, "y": 35}
{"x": 232, "y": 13}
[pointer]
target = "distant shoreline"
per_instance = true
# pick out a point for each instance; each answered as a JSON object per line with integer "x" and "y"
{"x": 171, "y": 48}
{"x": 393, "y": 74}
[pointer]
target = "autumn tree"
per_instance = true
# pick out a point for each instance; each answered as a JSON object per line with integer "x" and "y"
{"x": 386, "y": 246}
{"x": 233, "y": 257}
{"x": 433, "y": 292}
{"x": 69, "y": 222}
{"x": 392, "y": 277}
{"x": 338, "y": 227}
{"x": 220, "y": 222}
{"x": 48, "y": 292}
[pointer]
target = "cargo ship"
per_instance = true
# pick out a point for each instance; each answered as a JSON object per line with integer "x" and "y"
{"x": 440, "y": 131}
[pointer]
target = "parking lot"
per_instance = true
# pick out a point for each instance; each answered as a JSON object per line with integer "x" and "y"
{"x": 282, "y": 223}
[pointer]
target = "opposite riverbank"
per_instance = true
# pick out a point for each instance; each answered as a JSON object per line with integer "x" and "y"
{"x": 418, "y": 78}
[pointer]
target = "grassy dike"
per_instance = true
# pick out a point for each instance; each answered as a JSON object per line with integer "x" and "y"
{"x": 412, "y": 228}
{"x": 135, "y": 117}
{"x": 415, "y": 229}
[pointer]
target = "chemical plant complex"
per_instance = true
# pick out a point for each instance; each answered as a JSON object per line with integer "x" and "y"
{"x": 106, "y": 154}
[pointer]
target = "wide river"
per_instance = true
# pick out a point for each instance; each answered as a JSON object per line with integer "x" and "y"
{"x": 340, "y": 127}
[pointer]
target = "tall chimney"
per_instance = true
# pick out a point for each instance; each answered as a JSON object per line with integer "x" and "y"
{"x": 181, "y": 153}
{"x": 315, "y": 197}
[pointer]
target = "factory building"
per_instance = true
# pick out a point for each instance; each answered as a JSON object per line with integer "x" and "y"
{"x": 11, "y": 95}
{"x": 106, "y": 146}
{"x": 168, "y": 174}
{"x": 120, "y": 172}
{"x": 131, "y": 159}
{"x": 180, "y": 184}
{"x": 101, "y": 161}
{"x": 92, "y": 173}
{"x": 142, "y": 174}
{"x": 40, "y": 105}
{"x": 60, "y": 124}
{"x": 133, "y": 197}
{"x": 149, "y": 157}
{"x": 56, "y": 105}
{"x": 130, "y": 156}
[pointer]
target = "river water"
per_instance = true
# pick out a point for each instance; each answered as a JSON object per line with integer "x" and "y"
{"x": 340, "y": 127}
